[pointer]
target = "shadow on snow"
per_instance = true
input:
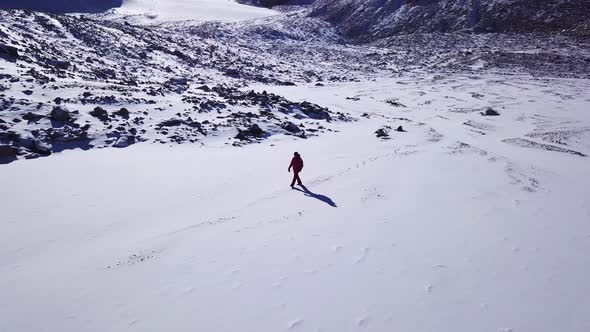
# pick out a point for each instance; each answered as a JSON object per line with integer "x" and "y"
{"x": 322, "y": 198}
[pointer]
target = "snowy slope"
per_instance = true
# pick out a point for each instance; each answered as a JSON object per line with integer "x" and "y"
{"x": 450, "y": 226}
{"x": 203, "y": 10}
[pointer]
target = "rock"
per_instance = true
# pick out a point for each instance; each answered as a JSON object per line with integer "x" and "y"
{"x": 7, "y": 154}
{"x": 319, "y": 84}
{"x": 400, "y": 129}
{"x": 383, "y": 133}
{"x": 256, "y": 130}
{"x": 41, "y": 148}
{"x": 490, "y": 112}
{"x": 9, "y": 53}
{"x": 395, "y": 103}
{"x": 123, "y": 112}
{"x": 60, "y": 114}
{"x": 314, "y": 111}
{"x": 124, "y": 141}
{"x": 290, "y": 127}
{"x": 178, "y": 80}
{"x": 59, "y": 64}
{"x": 28, "y": 92}
{"x": 171, "y": 123}
{"x": 100, "y": 114}
{"x": 252, "y": 131}
{"x": 32, "y": 117}
{"x": 204, "y": 88}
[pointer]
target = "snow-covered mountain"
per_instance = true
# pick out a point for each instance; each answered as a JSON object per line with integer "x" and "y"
{"x": 62, "y": 6}
{"x": 377, "y": 18}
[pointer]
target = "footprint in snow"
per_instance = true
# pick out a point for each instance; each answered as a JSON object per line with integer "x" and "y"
{"x": 295, "y": 324}
{"x": 363, "y": 321}
{"x": 361, "y": 258}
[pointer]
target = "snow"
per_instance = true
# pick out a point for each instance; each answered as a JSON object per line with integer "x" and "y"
{"x": 440, "y": 228}
{"x": 459, "y": 222}
{"x": 202, "y": 10}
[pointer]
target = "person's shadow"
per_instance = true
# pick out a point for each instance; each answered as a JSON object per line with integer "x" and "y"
{"x": 322, "y": 198}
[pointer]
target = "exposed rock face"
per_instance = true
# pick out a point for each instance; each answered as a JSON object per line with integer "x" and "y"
{"x": 374, "y": 19}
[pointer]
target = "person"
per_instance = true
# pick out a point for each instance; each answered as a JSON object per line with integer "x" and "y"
{"x": 297, "y": 165}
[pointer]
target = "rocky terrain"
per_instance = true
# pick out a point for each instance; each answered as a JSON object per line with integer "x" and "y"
{"x": 90, "y": 81}
{"x": 375, "y": 19}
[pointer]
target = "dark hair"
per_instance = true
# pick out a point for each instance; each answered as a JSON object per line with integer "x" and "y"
{"x": 296, "y": 153}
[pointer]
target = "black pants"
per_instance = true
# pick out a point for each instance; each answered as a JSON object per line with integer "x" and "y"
{"x": 295, "y": 178}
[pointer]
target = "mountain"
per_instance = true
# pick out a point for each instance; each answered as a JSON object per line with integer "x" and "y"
{"x": 375, "y": 19}
{"x": 62, "y": 6}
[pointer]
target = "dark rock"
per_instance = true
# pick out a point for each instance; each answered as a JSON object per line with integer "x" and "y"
{"x": 32, "y": 117}
{"x": 8, "y": 154}
{"x": 178, "y": 81}
{"x": 60, "y": 114}
{"x": 171, "y": 123}
{"x": 100, "y": 113}
{"x": 252, "y": 131}
{"x": 124, "y": 141}
{"x": 400, "y": 129}
{"x": 490, "y": 112}
{"x": 383, "y": 133}
{"x": 123, "y": 112}
{"x": 8, "y": 53}
{"x": 28, "y": 92}
{"x": 59, "y": 64}
{"x": 41, "y": 148}
{"x": 395, "y": 103}
{"x": 290, "y": 127}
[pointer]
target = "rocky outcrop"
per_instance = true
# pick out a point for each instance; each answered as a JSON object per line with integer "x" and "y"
{"x": 375, "y": 19}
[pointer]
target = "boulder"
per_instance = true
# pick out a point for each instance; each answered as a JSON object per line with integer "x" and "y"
{"x": 124, "y": 141}
{"x": 490, "y": 112}
{"x": 32, "y": 117}
{"x": 383, "y": 133}
{"x": 123, "y": 112}
{"x": 7, "y": 154}
{"x": 252, "y": 131}
{"x": 400, "y": 129}
{"x": 9, "y": 53}
{"x": 59, "y": 64}
{"x": 100, "y": 114}
{"x": 171, "y": 123}
{"x": 178, "y": 80}
{"x": 60, "y": 114}
{"x": 41, "y": 148}
{"x": 290, "y": 127}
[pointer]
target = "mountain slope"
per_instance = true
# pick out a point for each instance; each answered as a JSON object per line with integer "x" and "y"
{"x": 62, "y": 6}
{"x": 379, "y": 18}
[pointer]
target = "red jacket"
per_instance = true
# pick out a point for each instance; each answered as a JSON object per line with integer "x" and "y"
{"x": 297, "y": 164}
